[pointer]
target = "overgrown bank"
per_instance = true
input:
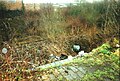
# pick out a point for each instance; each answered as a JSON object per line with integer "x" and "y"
{"x": 34, "y": 35}
{"x": 88, "y": 24}
{"x": 101, "y": 63}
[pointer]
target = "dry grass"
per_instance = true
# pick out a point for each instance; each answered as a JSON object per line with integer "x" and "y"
{"x": 37, "y": 34}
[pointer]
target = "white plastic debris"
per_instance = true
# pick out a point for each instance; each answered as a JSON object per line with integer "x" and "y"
{"x": 70, "y": 57}
{"x": 76, "y": 47}
{"x": 57, "y": 58}
{"x": 4, "y": 50}
{"x": 81, "y": 53}
{"x": 117, "y": 45}
{"x": 51, "y": 56}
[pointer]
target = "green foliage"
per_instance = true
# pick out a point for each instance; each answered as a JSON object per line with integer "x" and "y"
{"x": 110, "y": 72}
{"x": 61, "y": 78}
{"x": 105, "y": 49}
{"x": 105, "y": 46}
{"x": 116, "y": 41}
{"x": 106, "y": 67}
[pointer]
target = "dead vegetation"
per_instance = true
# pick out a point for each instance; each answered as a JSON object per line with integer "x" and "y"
{"x": 34, "y": 35}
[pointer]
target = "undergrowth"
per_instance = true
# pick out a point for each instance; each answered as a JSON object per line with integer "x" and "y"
{"x": 105, "y": 65}
{"x": 34, "y": 35}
